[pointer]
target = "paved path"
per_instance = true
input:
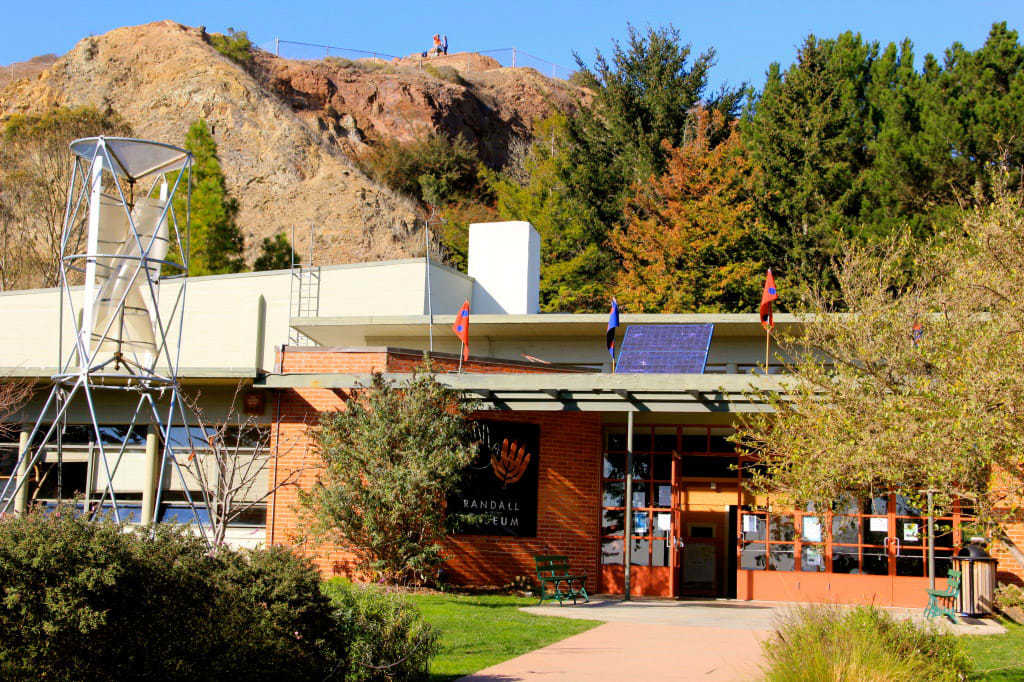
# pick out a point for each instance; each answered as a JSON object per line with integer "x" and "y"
{"x": 714, "y": 640}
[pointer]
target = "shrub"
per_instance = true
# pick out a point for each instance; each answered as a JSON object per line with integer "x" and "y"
{"x": 864, "y": 643}
{"x": 434, "y": 168}
{"x": 390, "y": 640}
{"x": 445, "y": 73}
{"x": 1009, "y": 597}
{"x": 236, "y": 45}
{"x": 87, "y": 600}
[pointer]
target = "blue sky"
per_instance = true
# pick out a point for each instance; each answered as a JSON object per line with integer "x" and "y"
{"x": 747, "y": 35}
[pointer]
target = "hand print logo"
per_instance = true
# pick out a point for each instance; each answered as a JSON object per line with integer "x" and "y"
{"x": 510, "y": 462}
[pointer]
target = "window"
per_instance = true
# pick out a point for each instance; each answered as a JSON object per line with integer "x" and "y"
{"x": 654, "y": 447}
{"x": 883, "y": 535}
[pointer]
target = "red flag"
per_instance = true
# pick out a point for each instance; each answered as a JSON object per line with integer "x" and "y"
{"x": 461, "y": 328}
{"x": 769, "y": 295}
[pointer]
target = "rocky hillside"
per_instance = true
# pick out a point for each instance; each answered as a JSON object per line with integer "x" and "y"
{"x": 284, "y": 128}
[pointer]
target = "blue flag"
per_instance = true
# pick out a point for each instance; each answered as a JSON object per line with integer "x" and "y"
{"x": 613, "y": 323}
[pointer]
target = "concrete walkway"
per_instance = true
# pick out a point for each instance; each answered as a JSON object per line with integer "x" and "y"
{"x": 715, "y": 640}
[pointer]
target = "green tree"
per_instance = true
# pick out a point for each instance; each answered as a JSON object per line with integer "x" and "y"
{"x": 215, "y": 242}
{"x": 572, "y": 260}
{"x": 809, "y": 131}
{"x": 276, "y": 254}
{"x": 35, "y": 173}
{"x": 236, "y": 45}
{"x": 391, "y": 459}
{"x": 973, "y": 115}
{"x": 642, "y": 97}
{"x": 692, "y": 241}
{"x": 877, "y": 405}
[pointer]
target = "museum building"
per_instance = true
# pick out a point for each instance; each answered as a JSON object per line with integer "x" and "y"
{"x": 282, "y": 347}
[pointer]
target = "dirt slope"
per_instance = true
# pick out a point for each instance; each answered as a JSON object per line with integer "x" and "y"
{"x": 283, "y": 127}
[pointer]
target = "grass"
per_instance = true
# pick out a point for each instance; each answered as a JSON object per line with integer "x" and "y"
{"x": 478, "y": 631}
{"x": 998, "y": 651}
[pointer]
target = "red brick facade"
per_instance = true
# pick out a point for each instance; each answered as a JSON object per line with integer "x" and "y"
{"x": 568, "y": 486}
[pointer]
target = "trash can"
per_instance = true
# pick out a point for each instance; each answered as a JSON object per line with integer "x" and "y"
{"x": 977, "y": 581}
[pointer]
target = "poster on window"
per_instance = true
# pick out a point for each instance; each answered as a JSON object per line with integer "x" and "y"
{"x": 500, "y": 486}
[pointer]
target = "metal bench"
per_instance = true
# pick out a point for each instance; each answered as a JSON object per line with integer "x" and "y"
{"x": 554, "y": 570}
{"x": 940, "y": 602}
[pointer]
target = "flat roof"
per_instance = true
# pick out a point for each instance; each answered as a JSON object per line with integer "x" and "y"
{"x": 350, "y": 330}
{"x": 699, "y": 393}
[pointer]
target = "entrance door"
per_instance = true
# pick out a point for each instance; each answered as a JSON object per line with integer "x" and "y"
{"x": 702, "y": 539}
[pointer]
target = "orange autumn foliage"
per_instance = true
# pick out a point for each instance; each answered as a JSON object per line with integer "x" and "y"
{"x": 691, "y": 241}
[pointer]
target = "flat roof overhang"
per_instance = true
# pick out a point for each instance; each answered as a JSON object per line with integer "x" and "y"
{"x": 352, "y": 331}
{"x": 186, "y": 375}
{"x": 695, "y": 393}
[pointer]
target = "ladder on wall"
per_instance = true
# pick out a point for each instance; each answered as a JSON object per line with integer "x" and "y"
{"x": 304, "y": 297}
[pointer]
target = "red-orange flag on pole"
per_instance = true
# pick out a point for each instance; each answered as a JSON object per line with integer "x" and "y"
{"x": 461, "y": 328}
{"x": 769, "y": 295}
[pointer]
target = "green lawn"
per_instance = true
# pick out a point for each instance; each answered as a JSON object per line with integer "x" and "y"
{"x": 998, "y": 651}
{"x": 479, "y": 631}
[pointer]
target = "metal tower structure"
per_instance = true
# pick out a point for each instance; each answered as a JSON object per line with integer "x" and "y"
{"x": 128, "y": 206}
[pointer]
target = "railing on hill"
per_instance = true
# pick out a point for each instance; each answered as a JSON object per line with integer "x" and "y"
{"x": 509, "y": 56}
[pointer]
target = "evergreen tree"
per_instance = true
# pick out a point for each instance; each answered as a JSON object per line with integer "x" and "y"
{"x": 216, "y": 243}
{"x": 809, "y": 131}
{"x": 571, "y": 236}
{"x": 277, "y": 254}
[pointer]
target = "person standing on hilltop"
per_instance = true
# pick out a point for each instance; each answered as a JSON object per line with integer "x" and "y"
{"x": 437, "y": 44}
{"x": 444, "y": 44}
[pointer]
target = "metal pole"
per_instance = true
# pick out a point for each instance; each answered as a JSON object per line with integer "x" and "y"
{"x": 628, "y": 554}
{"x": 277, "y": 47}
{"x": 21, "y": 495}
{"x": 150, "y": 482}
{"x": 513, "y": 57}
{"x": 931, "y": 542}
{"x": 430, "y": 303}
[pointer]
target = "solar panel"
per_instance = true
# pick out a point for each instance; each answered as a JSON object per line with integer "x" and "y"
{"x": 665, "y": 349}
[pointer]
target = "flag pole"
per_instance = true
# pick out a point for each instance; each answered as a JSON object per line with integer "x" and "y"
{"x": 767, "y": 346}
{"x": 462, "y": 354}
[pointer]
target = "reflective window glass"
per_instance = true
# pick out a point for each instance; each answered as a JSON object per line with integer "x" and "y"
{"x": 910, "y": 562}
{"x": 641, "y": 491}
{"x": 781, "y": 557}
{"x": 659, "y": 553}
{"x": 753, "y": 556}
{"x": 617, "y": 441}
{"x": 641, "y": 553}
{"x": 876, "y": 530}
{"x": 615, "y": 494}
{"x": 812, "y": 558}
{"x": 663, "y": 467}
{"x": 875, "y": 561}
{"x": 612, "y": 551}
{"x": 614, "y": 465}
{"x": 782, "y": 527}
{"x": 845, "y": 559}
{"x": 611, "y": 521}
{"x": 665, "y": 442}
{"x": 641, "y": 466}
{"x": 845, "y": 529}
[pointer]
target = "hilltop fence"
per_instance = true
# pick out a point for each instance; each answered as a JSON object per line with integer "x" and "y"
{"x": 509, "y": 56}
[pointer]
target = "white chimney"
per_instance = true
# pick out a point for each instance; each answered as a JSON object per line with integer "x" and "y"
{"x": 504, "y": 261}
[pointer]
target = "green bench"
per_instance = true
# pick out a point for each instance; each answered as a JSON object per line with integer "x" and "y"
{"x": 554, "y": 570}
{"x": 940, "y": 602}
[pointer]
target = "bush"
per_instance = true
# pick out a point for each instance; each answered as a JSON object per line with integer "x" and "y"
{"x": 864, "y": 643}
{"x": 81, "y": 600}
{"x": 434, "y": 168}
{"x": 445, "y": 73}
{"x": 1010, "y": 598}
{"x": 236, "y": 46}
{"x": 390, "y": 640}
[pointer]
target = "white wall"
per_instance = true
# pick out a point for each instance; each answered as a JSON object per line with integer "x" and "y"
{"x": 504, "y": 262}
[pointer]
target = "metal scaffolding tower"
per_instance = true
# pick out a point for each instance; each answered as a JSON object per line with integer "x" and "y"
{"x": 128, "y": 204}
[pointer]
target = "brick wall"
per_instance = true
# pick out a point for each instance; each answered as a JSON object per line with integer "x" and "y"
{"x": 568, "y": 486}
{"x": 317, "y": 360}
